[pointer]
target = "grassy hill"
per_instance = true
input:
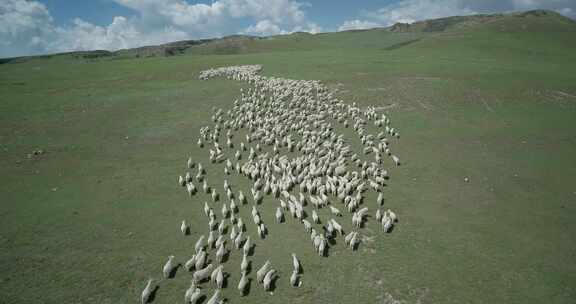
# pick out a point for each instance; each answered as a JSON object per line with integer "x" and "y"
{"x": 93, "y": 215}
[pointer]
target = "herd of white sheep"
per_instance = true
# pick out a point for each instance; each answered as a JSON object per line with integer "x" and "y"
{"x": 294, "y": 153}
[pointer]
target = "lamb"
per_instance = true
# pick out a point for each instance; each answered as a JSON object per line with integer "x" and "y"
{"x": 169, "y": 267}
{"x": 147, "y": 292}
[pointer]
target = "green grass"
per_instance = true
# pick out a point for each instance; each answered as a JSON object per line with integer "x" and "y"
{"x": 93, "y": 218}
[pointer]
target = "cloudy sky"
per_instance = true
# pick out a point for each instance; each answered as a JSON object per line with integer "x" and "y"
{"x": 29, "y": 27}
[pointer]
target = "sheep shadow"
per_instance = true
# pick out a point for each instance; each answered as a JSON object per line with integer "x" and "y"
{"x": 152, "y": 295}
{"x": 251, "y": 250}
{"x": 202, "y": 299}
{"x": 273, "y": 283}
{"x": 225, "y": 257}
{"x": 172, "y": 272}
{"x": 246, "y": 290}
{"x": 225, "y": 281}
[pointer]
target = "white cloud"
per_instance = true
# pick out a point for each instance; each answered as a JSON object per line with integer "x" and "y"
{"x": 26, "y": 27}
{"x": 264, "y": 27}
{"x": 357, "y": 25}
{"x": 408, "y": 11}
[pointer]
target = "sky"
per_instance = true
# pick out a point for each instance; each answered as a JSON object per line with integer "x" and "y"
{"x": 32, "y": 27}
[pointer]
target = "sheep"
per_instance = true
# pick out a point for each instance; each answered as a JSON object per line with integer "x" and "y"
{"x": 243, "y": 283}
{"x": 380, "y": 199}
{"x": 268, "y": 278}
{"x": 220, "y": 253}
{"x": 199, "y": 244}
{"x": 307, "y": 225}
{"x": 190, "y": 163}
{"x": 190, "y": 264}
{"x": 396, "y": 160}
{"x": 221, "y": 227}
{"x": 295, "y": 263}
{"x": 214, "y": 195}
{"x": 392, "y": 215}
{"x": 215, "y": 299}
{"x": 247, "y": 246}
{"x": 169, "y": 267}
{"x": 202, "y": 274}
{"x": 147, "y": 292}
{"x": 200, "y": 260}
{"x": 238, "y": 240}
{"x": 337, "y": 227}
{"x": 335, "y": 211}
{"x": 294, "y": 279}
{"x": 185, "y": 228}
{"x": 206, "y": 208}
{"x": 181, "y": 181}
{"x": 315, "y": 217}
{"x": 378, "y": 215}
{"x": 220, "y": 279}
{"x": 387, "y": 223}
{"x": 279, "y": 215}
{"x": 224, "y": 211}
{"x": 349, "y": 237}
{"x": 194, "y": 296}
{"x": 244, "y": 265}
{"x": 219, "y": 241}
{"x": 262, "y": 271}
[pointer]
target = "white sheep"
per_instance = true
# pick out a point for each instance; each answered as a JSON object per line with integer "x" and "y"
{"x": 243, "y": 283}
{"x": 279, "y": 215}
{"x": 215, "y": 299}
{"x": 185, "y": 228}
{"x": 295, "y": 263}
{"x": 267, "y": 281}
{"x": 169, "y": 267}
{"x": 199, "y": 244}
{"x": 202, "y": 274}
{"x": 147, "y": 292}
{"x": 262, "y": 271}
{"x": 315, "y": 217}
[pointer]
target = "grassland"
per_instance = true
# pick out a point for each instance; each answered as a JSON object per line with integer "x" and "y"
{"x": 92, "y": 218}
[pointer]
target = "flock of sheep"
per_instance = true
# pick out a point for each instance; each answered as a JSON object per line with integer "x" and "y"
{"x": 292, "y": 152}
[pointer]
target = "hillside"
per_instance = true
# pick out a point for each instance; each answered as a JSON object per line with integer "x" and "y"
{"x": 403, "y": 33}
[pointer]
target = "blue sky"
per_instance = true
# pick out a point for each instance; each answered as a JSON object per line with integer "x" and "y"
{"x": 30, "y": 27}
